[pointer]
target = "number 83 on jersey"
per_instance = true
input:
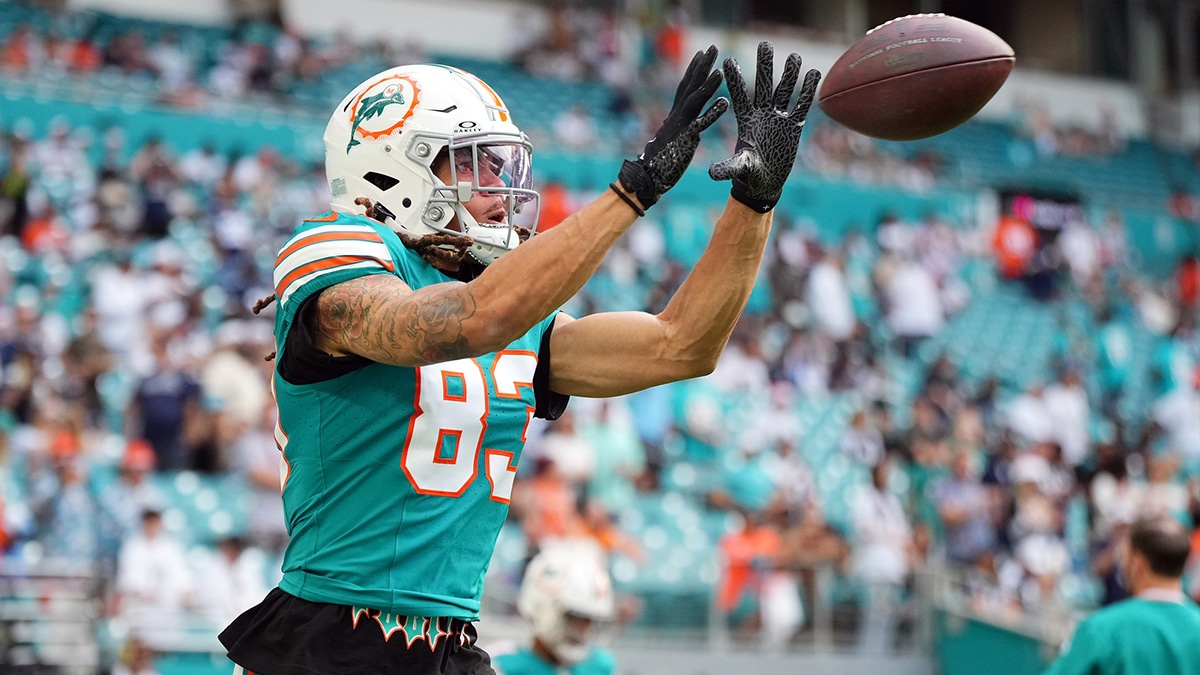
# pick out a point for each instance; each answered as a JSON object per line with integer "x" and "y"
{"x": 451, "y": 419}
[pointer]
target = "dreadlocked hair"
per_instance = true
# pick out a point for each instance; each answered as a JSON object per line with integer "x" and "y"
{"x": 446, "y": 252}
{"x": 259, "y": 306}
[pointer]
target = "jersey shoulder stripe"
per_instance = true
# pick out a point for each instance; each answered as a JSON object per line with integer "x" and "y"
{"x": 326, "y": 249}
{"x": 330, "y": 277}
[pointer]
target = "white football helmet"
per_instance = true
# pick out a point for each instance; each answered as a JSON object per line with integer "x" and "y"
{"x": 563, "y": 591}
{"x": 383, "y": 139}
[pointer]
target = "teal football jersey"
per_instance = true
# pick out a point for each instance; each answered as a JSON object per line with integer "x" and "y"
{"x": 525, "y": 662}
{"x": 395, "y": 480}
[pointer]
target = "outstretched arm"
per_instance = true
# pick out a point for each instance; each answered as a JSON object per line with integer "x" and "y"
{"x": 621, "y": 352}
{"x": 615, "y": 353}
{"x": 381, "y": 318}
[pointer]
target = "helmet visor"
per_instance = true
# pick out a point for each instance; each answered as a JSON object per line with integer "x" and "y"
{"x": 495, "y": 166}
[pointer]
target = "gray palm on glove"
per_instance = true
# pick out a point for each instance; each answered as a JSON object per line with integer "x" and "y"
{"x": 768, "y": 132}
{"x": 668, "y": 154}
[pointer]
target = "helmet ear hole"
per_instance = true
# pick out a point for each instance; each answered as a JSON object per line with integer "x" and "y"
{"x": 407, "y": 203}
{"x": 382, "y": 181}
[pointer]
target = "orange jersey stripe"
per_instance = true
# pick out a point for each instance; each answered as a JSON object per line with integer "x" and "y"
{"x": 329, "y": 218}
{"x": 324, "y": 264}
{"x": 328, "y": 236}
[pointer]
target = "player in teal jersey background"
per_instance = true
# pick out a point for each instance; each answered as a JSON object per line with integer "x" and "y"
{"x": 417, "y": 333}
{"x": 567, "y": 598}
{"x": 1157, "y": 630}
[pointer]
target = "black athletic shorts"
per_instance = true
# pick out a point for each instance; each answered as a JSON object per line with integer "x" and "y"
{"x": 284, "y": 635}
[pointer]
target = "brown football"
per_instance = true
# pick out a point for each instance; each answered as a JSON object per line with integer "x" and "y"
{"x": 915, "y": 77}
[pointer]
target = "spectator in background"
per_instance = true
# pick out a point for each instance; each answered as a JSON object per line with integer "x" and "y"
{"x": 1177, "y": 412}
{"x": 165, "y": 403}
{"x": 15, "y": 182}
{"x": 23, "y": 50}
{"x": 1079, "y": 249}
{"x": 203, "y": 165}
{"x": 86, "y": 361}
{"x": 828, "y": 298}
{"x": 1028, "y": 415}
{"x": 928, "y": 434}
{"x": 123, "y": 503}
{"x": 572, "y": 454}
{"x": 234, "y": 578}
{"x": 255, "y": 457}
{"x": 171, "y": 61}
{"x": 742, "y": 367}
{"x": 120, "y": 299}
{"x": 1115, "y": 497}
{"x": 60, "y": 157}
{"x": 966, "y": 509}
{"x": 555, "y": 205}
{"x": 546, "y": 506}
{"x": 1066, "y": 407}
{"x": 862, "y": 442}
{"x": 232, "y": 381}
{"x": 914, "y": 305}
{"x": 1114, "y": 356}
{"x": 882, "y": 555}
{"x": 154, "y": 584}
{"x": 793, "y": 479}
{"x": 575, "y": 129}
{"x": 21, "y": 355}
{"x": 1165, "y": 494}
{"x": 1187, "y": 279}
{"x": 620, "y": 458}
{"x": 63, "y": 508}
{"x": 747, "y": 556}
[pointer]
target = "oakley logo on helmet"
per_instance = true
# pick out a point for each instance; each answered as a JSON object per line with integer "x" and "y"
{"x": 370, "y": 104}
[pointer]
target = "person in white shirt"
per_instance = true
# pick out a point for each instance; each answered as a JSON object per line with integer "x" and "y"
{"x": 828, "y": 298}
{"x": 1178, "y": 413}
{"x": 1066, "y": 407}
{"x": 570, "y": 451}
{"x": 914, "y": 303}
{"x": 862, "y": 441}
{"x": 154, "y": 586}
{"x": 1028, "y": 416}
{"x": 882, "y": 555}
{"x": 234, "y": 580}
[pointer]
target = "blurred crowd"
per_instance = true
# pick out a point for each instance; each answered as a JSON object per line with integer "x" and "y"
{"x": 188, "y": 67}
{"x": 131, "y": 359}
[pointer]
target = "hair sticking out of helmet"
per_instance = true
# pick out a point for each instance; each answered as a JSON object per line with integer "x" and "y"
{"x": 435, "y": 150}
{"x": 564, "y": 595}
{"x": 448, "y": 253}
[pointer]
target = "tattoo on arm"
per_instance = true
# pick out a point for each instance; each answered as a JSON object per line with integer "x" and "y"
{"x": 367, "y": 316}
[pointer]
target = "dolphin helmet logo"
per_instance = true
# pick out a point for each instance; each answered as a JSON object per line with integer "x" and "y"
{"x": 369, "y": 107}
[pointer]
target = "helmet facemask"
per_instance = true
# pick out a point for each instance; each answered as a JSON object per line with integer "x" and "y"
{"x": 494, "y": 175}
{"x": 573, "y": 634}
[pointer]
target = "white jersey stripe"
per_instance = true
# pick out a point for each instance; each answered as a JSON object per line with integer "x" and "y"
{"x": 350, "y": 228}
{"x": 329, "y": 249}
{"x": 297, "y": 284}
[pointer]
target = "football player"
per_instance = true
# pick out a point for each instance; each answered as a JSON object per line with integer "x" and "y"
{"x": 567, "y": 599}
{"x": 417, "y": 333}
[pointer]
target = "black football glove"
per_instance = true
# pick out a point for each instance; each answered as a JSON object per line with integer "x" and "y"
{"x": 768, "y": 133}
{"x": 668, "y": 154}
